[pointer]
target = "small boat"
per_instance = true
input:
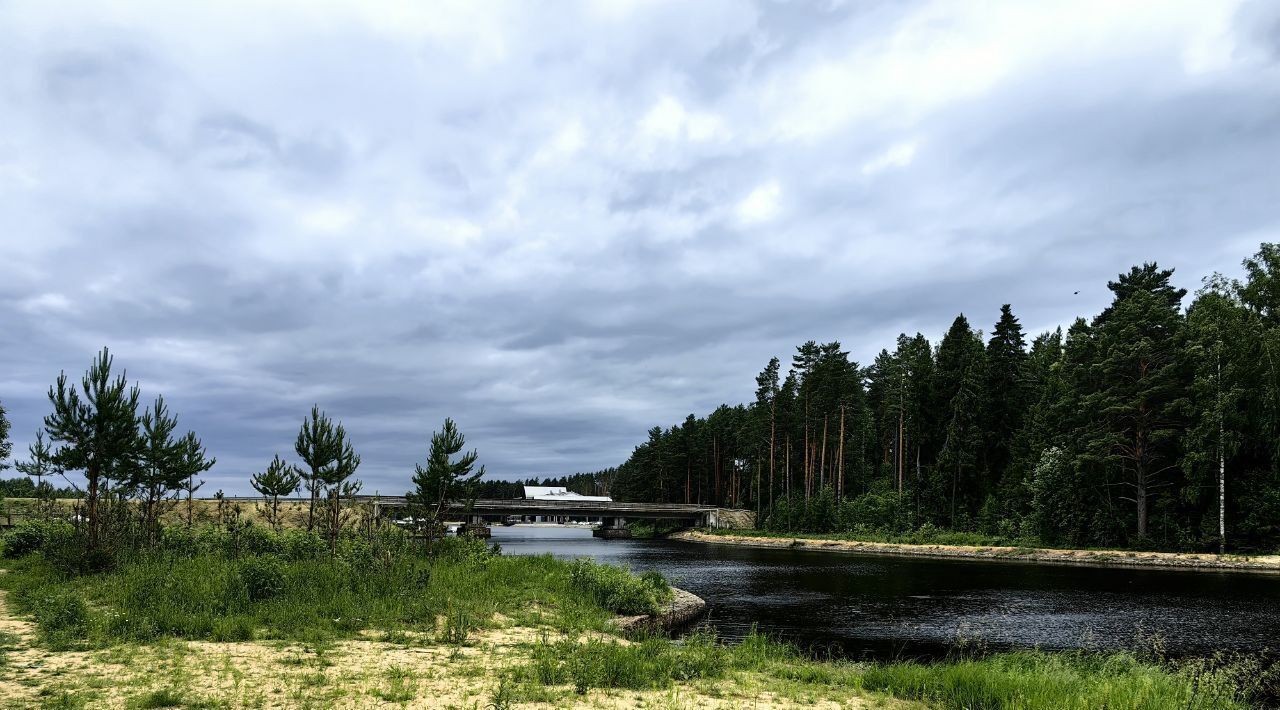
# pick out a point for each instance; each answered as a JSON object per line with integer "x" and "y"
{"x": 510, "y": 520}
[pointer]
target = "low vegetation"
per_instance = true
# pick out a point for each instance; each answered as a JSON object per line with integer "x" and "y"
{"x": 1017, "y": 680}
{"x": 209, "y": 583}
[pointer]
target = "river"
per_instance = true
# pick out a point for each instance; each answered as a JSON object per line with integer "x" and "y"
{"x": 873, "y": 606}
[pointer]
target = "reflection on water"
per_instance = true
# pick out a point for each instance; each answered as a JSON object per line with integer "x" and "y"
{"x": 879, "y": 606}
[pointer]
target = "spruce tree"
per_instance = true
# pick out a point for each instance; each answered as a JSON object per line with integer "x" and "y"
{"x": 958, "y": 395}
{"x": 1005, "y": 393}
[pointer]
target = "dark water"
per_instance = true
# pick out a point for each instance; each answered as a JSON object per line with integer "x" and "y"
{"x": 885, "y": 607}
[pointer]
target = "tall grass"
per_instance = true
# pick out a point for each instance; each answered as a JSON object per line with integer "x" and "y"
{"x": 205, "y": 585}
{"x": 1010, "y": 681}
{"x": 1069, "y": 681}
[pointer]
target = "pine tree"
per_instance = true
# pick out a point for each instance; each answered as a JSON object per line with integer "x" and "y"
{"x": 6, "y": 446}
{"x": 159, "y": 470}
{"x": 97, "y": 427}
{"x": 443, "y": 478}
{"x": 1143, "y": 385}
{"x": 280, "y": 480}
{"x": 40, "y": 465}
{"x": 767, "y": 406}
{"x": 316, "y": 445}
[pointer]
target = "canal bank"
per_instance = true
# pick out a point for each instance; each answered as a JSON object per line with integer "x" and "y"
{"x": 1088, "y": 558}
{"x": 883, "y": 607}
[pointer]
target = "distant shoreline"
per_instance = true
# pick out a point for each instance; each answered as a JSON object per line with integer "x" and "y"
{"x": 1084, "y": 558}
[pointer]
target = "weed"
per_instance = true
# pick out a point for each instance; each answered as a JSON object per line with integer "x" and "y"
{"x": 160, "y": 698}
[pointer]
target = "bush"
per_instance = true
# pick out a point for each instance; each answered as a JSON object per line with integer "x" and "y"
{"x": 263, "y": 576}
{"x": 619, "y": 591}
{"x": 32, "y": 535}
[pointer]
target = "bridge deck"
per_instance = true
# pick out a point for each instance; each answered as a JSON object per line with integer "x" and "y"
{"x": 572, "y": 507}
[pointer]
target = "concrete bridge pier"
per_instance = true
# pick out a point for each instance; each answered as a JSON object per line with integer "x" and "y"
{"x": 475, "y": 526}
{"x": 613, "y": 527}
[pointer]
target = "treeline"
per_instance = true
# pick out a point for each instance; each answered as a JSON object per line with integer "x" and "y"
{"x": 26, "y": 488}
{"x": 1150, "y": 424}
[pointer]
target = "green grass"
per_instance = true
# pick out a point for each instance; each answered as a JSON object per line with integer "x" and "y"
{"x": 1009, "y": 681}
{"x": 208, "y": 593}
{"x": 648, "y": 664}
{"x": 1068, "y": 681}
{"x": 617, "y": 589}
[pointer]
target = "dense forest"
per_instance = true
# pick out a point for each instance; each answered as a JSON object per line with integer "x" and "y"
{"x": 1150, "y": 425}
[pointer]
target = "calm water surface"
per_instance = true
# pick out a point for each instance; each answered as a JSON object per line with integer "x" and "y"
{"x": 876, "y": 606}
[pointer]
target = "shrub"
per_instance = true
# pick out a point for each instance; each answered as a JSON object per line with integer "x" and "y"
{"x": 619, "y": 591}
{"x": 263, "y": 575}
{"x": 302, "y": 545}
{"x": 32, "y": 535}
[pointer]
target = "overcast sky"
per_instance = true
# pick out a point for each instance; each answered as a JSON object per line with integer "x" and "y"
{"x": 562, "y": 224}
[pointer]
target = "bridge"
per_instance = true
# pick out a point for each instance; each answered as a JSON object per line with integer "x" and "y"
{"x": 612, "y": 514}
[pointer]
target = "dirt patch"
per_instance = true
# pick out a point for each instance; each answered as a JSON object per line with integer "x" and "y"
{"x": 1093, "y": 558}
{"x": 357, "y": 673}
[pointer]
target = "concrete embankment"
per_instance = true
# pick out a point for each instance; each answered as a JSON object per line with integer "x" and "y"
{"x": 683, "y": 609}
{"x": 1090, "y": 558}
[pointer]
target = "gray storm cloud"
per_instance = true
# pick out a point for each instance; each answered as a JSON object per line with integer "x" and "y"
{"x": 562, "y": 224}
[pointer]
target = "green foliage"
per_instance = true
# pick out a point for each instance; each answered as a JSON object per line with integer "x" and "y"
{"x": 1066, "y": 681}
{"x": 96, "y": 427}
{"x": 618, "y": 590}
{"x": 651, "y": 663}
{"x": 6, "y": 446}
{"x": 31, "y": 536}
{"x": 263, "y": 576}
{"x": 61, "y": 616}
{"x": 329, "y": 460}
{"x": 444, "y": 478}
{"x": 208, "y": 583}
{"x": 1153, "y": 424}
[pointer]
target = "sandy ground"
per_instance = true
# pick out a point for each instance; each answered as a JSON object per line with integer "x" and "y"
{"x": 361, "y": 673}
{"x": 1097, "y": 558}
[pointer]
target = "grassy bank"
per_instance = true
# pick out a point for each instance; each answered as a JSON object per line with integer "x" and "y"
{"x": 976, "y": 546}
{"x": 208, "y": 584}
{"x": 250, "y": 618}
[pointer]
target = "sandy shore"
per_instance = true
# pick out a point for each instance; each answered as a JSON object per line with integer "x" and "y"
{"x": 1093, "y": 558}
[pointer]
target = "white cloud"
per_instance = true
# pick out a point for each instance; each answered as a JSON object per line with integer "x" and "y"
{"x": 761, "y": 204}
{"x": 898, "y": 155}
{"x": 46, "y": 303}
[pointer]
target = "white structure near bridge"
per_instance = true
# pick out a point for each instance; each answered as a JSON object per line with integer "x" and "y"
{"x": 564, "y": 495}
{"x": 559, "y": 493}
